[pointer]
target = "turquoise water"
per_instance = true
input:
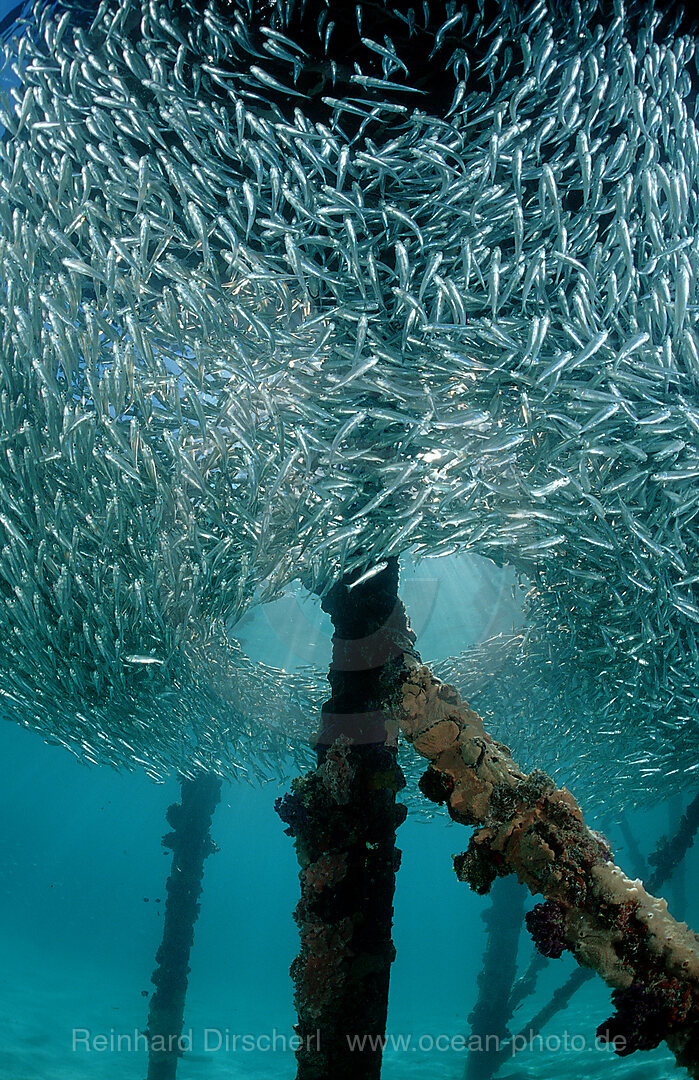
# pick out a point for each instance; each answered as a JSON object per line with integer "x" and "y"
{"x": 80, "y": 855}
{"x": 81, "y": 910}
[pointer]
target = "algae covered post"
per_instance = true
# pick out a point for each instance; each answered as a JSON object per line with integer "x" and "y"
{"x": 343, "y": 817}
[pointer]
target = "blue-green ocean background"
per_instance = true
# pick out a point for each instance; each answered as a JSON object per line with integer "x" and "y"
{"x": 83, "y": 878}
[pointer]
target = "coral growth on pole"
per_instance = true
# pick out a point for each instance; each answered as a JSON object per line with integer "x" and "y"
{"x": 666, "y": 860}
{"x": 343, "y": 817}
{"x": 528, "y": 826}
{"x": 344, "y": 825}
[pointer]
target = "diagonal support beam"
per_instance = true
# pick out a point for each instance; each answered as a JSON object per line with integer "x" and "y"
{"x": 528, "y": 826}
{"x": 666, "y": 859}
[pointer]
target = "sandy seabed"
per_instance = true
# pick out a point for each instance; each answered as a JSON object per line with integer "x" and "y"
{"x": 41, "y": 1010}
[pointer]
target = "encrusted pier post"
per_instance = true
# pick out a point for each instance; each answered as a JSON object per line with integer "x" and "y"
{"x": 343, "y": 817}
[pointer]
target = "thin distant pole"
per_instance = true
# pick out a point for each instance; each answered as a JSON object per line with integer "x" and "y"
{"x": 190, "y": 843}
{"x": 492, "y": 1012}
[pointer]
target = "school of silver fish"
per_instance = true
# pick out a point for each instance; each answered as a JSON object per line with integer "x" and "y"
{"x": 246, "y": 343}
